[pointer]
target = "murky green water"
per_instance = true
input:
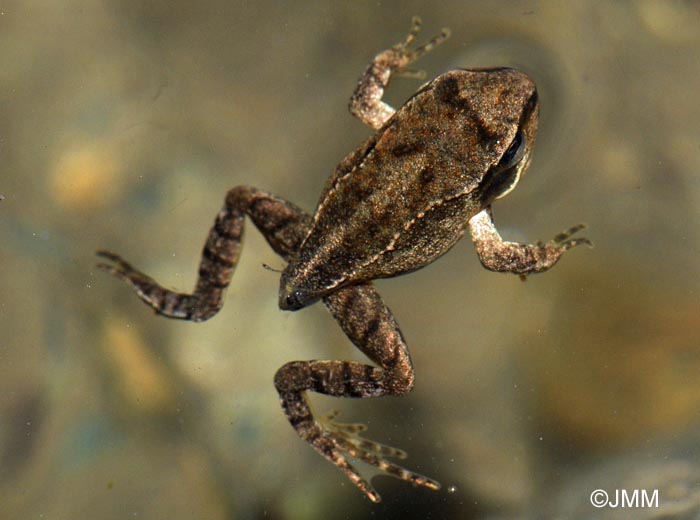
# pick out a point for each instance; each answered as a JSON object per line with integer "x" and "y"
{"x": 122, "y": 125}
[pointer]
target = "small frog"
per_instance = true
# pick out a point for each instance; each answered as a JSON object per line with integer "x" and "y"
{"x": 399, "y": 201}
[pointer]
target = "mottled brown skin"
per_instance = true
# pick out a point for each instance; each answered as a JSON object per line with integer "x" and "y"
{"x": 432, "y": 157}
{"x": 398, "y": 202}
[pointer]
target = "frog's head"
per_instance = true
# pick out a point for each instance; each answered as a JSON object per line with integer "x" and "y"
{"x": 310, "y": 276}
{"x": 498, "y": 110}
{"x": 518, "y": 142}
{"x": 292, "y": 299}
{"x": 295, "y": 290}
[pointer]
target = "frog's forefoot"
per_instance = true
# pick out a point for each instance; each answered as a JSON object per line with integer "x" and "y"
{"x": 366, "y": 102}
{"x": 546, "y": 255}
{"x": 416, "y": 24}
{"x": 563, "y": 241}
{"x": 513, "y": 257}
{"x": 401, "y": 54}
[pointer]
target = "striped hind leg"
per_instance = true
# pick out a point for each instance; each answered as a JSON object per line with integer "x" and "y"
{"x": 359, "y": 310}
{"x": 371, "y": 327}
{"x": 283, "y": 225}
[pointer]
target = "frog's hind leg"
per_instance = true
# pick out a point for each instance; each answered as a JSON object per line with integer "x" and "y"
{"x": 358, "y": 309}
{"x": 283, "y": 225}
{"x": 371, "y": 327}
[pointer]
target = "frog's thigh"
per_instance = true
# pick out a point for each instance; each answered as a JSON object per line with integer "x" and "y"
{"x": 369, "y": 324}
{"x": 282, "y": 224}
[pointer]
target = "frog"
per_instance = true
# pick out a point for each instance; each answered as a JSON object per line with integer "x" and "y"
{"x": 428, "y": 175}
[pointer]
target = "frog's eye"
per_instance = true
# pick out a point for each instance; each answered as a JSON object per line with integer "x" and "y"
{"x": 514, "y": 152}
{"x": 504, "y": 176}
{"x": 509, "y": 165}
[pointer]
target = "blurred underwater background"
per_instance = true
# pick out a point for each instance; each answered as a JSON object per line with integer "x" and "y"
{"x": 124, "y": 123}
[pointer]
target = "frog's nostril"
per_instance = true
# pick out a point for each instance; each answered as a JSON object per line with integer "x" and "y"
{"x": 294, "y": 301}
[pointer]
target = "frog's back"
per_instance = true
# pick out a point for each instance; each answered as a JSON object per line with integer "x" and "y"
{"x": 402, "y": 199}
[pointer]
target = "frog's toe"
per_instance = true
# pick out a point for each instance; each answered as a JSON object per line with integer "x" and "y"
{"x": 411, "y": 73}
{"x": 349, "y": 432}
{"x": 377, "y": 448}
{"x": 366, "y": 445}
{"x": 118, "y": 266}
{"x": 333, "y": 451}
{"x": 378, "y": 460}
{"x": 125, "y": 271}
{"x": 432, "y": 43}
{"x": 568, "y": 244}
{"x": 416, "y": 25}
{"x": 405, "y": 55}
{"x": 561, "y": 237}
{"x": 564, "y": 243}
{"x": 390, "y": 468}
{"x": 349, "y": 428}
{"x": 345, "y": 438}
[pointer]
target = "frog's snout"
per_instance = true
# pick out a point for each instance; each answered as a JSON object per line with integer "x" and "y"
{"x": 297, "y": 289}
{"x": 291, "y": 297}
{"x": 292, "y": 300}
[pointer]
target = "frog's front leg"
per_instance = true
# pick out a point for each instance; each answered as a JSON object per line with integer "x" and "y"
{"x": 366, "y": 102}
{"x": 283, "y": 224}
{"x": 371, "y": 327}
{"x": 513, "y": 257}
